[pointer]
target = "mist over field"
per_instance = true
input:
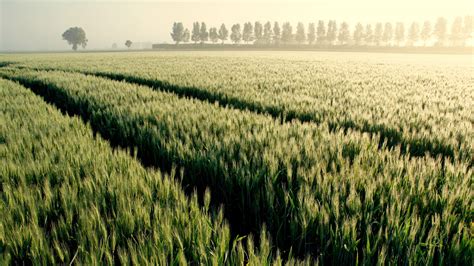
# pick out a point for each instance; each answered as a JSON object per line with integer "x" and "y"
{"x": 38, "y": 25}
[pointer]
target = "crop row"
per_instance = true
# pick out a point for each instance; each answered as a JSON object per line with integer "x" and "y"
{"x": 333, "y": 195}
{"x": 66, "y": 196}
{"x": 426, "y": 112}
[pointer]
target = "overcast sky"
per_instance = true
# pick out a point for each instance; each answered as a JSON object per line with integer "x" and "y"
{"x": 38, "y": 24}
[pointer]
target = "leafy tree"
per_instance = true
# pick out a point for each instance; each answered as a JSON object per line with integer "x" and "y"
{"x": 128, "y": 43}
{"x": 311, "y": 33}
{"x": 456, "y": 36}
{"x": 387, "y": 33}
{"x": 223, "y": 33}
{"x": 426, "y": 32}
{"x": 321, "y": 32}
{"x": 258, "y": 30}
{"x": 203, "y": 34}
{"x": 300, "y": 34}
{"x": 287, "y": 33}
{"x": 276, "y": 33}
{"x": 267, "y": 32}
{"x": 196, "y": 36}
{"x": 344, "y": 33}
{"x": 467, "y": 29}
{"x": 332, "y": 31}
{"x": 369, "y": 34}
{"x": 399, "y": 33}
{"x": 247, "y": 34}
{"x": 75, "y": 36}
{"x": 236, "y": 35}
{"x": 186, "y": 35}
{"x": 414, "y": 33}
{"x": 213, "y": 35}
{"x": 358, "y": 33}
{"x": 177, "y": 33}
{"x": 440, "y": 31}
{"x": 378, "y": 33}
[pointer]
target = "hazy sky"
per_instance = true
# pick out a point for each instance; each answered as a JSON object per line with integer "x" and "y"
{"x": 38, "y": 24}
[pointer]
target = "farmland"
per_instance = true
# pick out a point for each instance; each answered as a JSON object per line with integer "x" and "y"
{"x": 172, "y": 157}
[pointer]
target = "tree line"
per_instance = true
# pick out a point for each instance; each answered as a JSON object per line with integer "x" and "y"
{"x": 330, "y": 33}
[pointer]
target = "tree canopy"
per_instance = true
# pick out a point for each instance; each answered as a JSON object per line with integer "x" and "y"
{"x": 75, "y": 36}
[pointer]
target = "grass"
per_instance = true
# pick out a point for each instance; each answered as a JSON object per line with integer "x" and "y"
{"x": 334, "y": 195}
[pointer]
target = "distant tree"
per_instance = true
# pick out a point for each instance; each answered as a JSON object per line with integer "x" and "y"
{"x": 321, "y": 32}
{"x": 128, "y": 43}
{"x": 378, "y": 33}
{"x": 276, "y": 33}
{"x": 358, "y": 33}
{"x": 414, "y": 33}
{"x": 196, "y": 36}
{"x": 467, "y": 29}
{"x": 426, "y": 32}
{"x": 387, "y": 33}
{"x": 399, "y": 33}
{"x": 369, "y": 34}
{"x": 247, "y": 34}
{"x": 300, "y": 34}
{"x": 203, "y": 34}
{"x": 344, "y": 33}
{"x": 114, "y": 46}
{"x": 75, "y": 36}
{"x": 186, "y": 35}
{"x": 287, "y": 33}
{"x": 440, "y": 31}
{"x": 177, "y": 32}
{"x": 456, "y": 36}
{"x": 267, "y": 33}
{"x": 213, "y": 35}
{"x": 236, "y": 35}
{"x": 223, "y": 33}
{"x": 258, "y": 31}
{"x": 332, "y": 32}
{"x": 311, "y": 33}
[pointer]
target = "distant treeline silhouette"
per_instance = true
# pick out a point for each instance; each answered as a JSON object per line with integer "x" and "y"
{"x": 330, "y": 33}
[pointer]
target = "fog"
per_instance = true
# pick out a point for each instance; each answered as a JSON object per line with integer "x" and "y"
{"x": 38, "y": 25}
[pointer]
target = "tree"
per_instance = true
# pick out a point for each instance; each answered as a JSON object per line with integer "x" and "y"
{"x": 300, "y": 34}
{"x": 332, "y": 31}
{"x": 128, "y": 43}
{"x": 75, "y": 36}
{"x": 186, "y": 35}
{"x": 247, "y": 34}
{"x": 467, "y": 29}
{"x": 276, "y": 33}
{"x": 344, "y": 33}
{"x": 378, "y": 33}
{"x": 321, "y": 32}
{"x": 236, "y": 36}
{"x": 177, "y": 33}
{"x": 414, "y": 33}
{"x": 426, "y": 32}
{"x": 258, "y": 29}
{"x": 399, "y": 33}
{"x": 358, "y": 33}
{"x": 387, "y": 33}
{"x": 203, "y": 34}
{"x": 114, "y": 46}
{"x": 369, "y": 34}
{"x": 267, "y": 33}
{"x": 456, "y": 36}
{"x": 213, "y": 35}
{"x": 286, "y": 33}
{"x": 440, "y": 31}
{"x": 196, "y": 36}
{"x": 223, "y": 33}
{"x": 311, "y": 33}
